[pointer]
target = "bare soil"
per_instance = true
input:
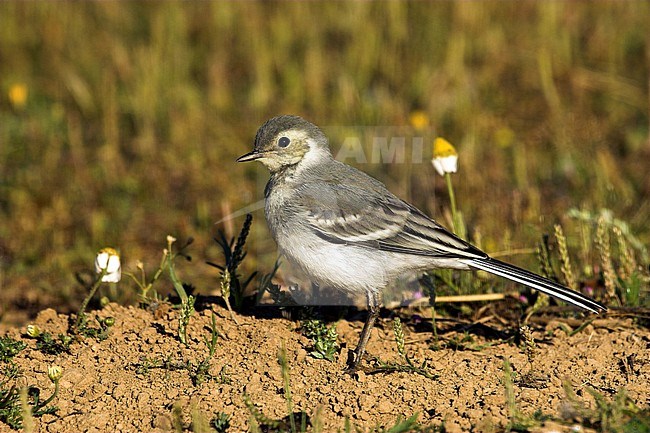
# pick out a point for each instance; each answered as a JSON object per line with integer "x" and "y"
{"x": 134, "y": 380}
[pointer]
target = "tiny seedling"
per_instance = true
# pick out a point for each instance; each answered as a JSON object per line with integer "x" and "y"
{"x": 220, "y": 422}
{"x": 325, "y": 345}
{"x": 200, "y": 373}
{"x": 186, "y": 312}
{"x": 224, "y": 376}
{"x": 145, "y": 365}
{"x": 407, "y": 364}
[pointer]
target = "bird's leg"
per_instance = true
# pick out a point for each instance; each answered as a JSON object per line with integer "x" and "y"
{"x": 373, "y": 313}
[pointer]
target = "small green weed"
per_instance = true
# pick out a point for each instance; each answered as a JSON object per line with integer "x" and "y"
{"x": 46, "y": 343}
{"x": 147, "y": 295}
{"x": 179, "y": 287}
{"x": 10, "y": 408}
{"x": 407, "y": 364}
{"x": 220, "y": 422}
{"x": 10, "y": 348}
{"x": 187, "y": 301}
{"x": 146, "y": 364}
{"x": 186, "y": 312}
{"x": 323, "y": 337}
{"x": 200, "y": 373}
{"x": 232, "y": 288}
{"x": 99, "y": 333}
{"x": 184, "y": 291}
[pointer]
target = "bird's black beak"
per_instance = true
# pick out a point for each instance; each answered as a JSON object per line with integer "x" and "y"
{"x": 250, "y": 156}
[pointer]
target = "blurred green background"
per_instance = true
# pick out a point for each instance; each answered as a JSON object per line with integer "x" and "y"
{"x": 120, "y": 121}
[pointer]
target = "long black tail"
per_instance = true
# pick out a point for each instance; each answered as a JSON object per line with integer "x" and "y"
{"x": 536, "y": 282}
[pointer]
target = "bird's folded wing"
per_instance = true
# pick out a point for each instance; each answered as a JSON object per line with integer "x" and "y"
{"x": 381, "y": 221}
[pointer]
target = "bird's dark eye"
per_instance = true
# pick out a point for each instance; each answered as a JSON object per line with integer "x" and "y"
{"x": 284, "y": 141}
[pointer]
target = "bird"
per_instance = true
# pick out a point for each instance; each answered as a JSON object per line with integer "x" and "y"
{"x": 345, "y": 230}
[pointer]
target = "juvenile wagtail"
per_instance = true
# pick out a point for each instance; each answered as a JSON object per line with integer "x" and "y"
{"x": 345, "y": 230}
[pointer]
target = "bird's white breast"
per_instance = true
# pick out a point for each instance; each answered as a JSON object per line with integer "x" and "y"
{"x": 327, "y": 264}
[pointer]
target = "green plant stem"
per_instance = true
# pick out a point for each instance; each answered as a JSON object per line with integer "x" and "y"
{"x": 452, "y": 199}
{"x": 85, "y": 302}
{"x": 458, "y": 226}
{"x": 50, "y": 398}
{"x": 178, "y": 286}
{"x": 144, "y": 287}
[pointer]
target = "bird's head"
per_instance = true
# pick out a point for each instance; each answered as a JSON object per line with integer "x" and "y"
{"x": 285, "y": 141}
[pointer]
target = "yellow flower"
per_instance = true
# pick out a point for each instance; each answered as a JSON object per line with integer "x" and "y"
{"x": 445, "y": 157}
{"x": 108, "y": 260}
{"x": 18, "y": 95}
{"x": 54, "y": 372}
{"x": 419, "y": 120}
